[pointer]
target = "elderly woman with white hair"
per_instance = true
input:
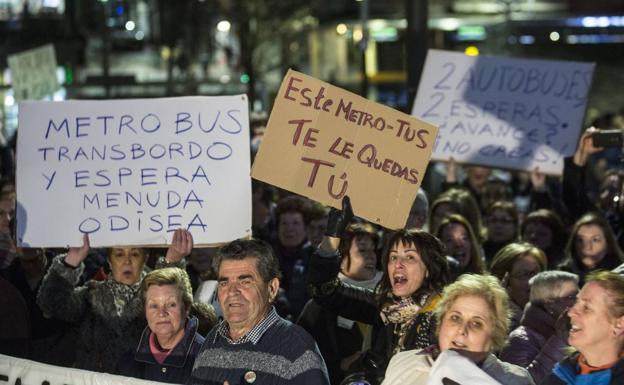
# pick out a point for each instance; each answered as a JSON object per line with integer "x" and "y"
{"x": 539, "y": 342}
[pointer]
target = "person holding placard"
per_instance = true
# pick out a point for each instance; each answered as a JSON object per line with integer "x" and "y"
{"x": 108, "y": 314}
{"x": 400, "y": 307}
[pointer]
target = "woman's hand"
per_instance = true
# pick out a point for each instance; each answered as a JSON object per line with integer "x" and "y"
{"x": 585, "y": 147}
{"x": 451, "y": 171}
{"x": 337, "y": 222}
{"x": 538, "y": 180}
{"x": 181, "y": 246}
{"x": 76, "y": 255}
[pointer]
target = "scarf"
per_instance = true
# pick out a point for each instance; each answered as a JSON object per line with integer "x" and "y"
{"x": 402, "y": 314}
{"x": 123, "y": 294}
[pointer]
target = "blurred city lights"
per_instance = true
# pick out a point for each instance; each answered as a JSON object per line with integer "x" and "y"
{"x": 554, "y": 36}
{"x": 139, "y": 35}
{"x": 223, "y": 26}
{"x": 471, "y": 51}
{"x": 130, "y": 25}
{"x": 244, "y": 78}
{"x": 341, "y": 29}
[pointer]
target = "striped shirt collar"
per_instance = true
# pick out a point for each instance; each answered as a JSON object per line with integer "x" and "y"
{"x": 254, "y": 334}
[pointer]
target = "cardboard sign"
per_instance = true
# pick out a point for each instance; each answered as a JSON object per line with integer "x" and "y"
{"x": 324, "y": 143}
{"x": 33, "y": 73}
{"x": 15, "y": 370}
{"x": 502, "y": 112}
{"x": 130, "y": 172}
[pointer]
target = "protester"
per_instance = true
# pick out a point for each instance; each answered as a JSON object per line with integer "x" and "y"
{"x": 342, "y": 340}
{"x": 417, "y": 218}
{"x": 515, "y": 264}
{"x": 591, "y": 246}
{"x": 317, "y": 223}
{"x": 501, "y": 219}
{"x": 456, "y": 201}
{"x": 253, "y": 344}
{"x": 461, "y": 245}
{"x": 400, "y": 309}
{"x": 544, "y": 229}
{"x": 540, "y": 340}
{"x": 170, "y": 342}
{"x": 52, "y": 340}
{"x": 472, "y": 318}
{"x": 293, "y": 251}
{"x": 597, "y": 333}
{"x": 476, "y": 178}
{"x": 610, "y": 193}
{"x": 108, "y": 314}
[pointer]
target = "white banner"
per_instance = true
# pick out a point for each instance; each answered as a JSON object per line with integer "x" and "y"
{"x": 503, "y": 112}
{"x": 19, "y": 371}
{"x": 130, "y": 172}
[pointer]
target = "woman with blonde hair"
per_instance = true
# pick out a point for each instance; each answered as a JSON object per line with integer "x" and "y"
{"x": 472, "y": 319}
{"x": 597, "y": 333}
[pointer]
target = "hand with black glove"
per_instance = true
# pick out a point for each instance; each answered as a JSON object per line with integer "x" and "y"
{"x": 338, "y": 220}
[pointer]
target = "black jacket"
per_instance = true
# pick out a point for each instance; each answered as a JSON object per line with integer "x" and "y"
{"x": 177, "y": 366}
{"x": 362, "y": 305}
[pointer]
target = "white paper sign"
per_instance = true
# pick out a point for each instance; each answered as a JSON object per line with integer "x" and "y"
{"x": 33, "y": 73}
{"x": 19, "y": 371}
{"x": 453, "y": 366}
{"x": 130, "y": 172}
{"x": 503, "y": 112}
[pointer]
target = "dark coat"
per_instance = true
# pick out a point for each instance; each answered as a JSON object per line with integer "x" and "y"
{"x": 362, "y": 305}
{"x": 534, "y": 345}
{"x": 335, "y": 341}
{"x": 176, "y": 368}
{"x": 569, "y": 369}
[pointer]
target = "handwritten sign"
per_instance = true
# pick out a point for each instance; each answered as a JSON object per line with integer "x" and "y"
{"x": 501, "y": 112}
{"x": 15, "y": 370}
{"x": 324, "y": 143}
{"x": 130, "y": 172}
{"x": 33, "y": 73}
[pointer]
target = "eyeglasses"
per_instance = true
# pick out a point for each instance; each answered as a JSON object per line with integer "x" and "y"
{"x": 568, "y": 298}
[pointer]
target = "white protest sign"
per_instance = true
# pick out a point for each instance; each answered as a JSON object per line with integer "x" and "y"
{"x": 33, "y": 73}
{"x": 130, "y": 172}
{"x": 19, "y": 371}
{"x": 455, "y": 367}
{"x": 503, "y": 112}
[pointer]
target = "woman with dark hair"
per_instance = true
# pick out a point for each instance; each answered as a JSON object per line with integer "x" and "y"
{"x": 400, "y": 308}
{"x": 544, "y": 229}
{"x": 456, "y": 201}
{"x": 591, "y": 246}
{"x": 342, "y": 340}
{"x": 514, "y": 265}
{"x": 461, "y": 245}
{"x": 501, "y": 221}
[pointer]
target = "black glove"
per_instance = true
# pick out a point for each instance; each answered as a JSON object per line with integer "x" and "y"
{"x": 338, "y": 220}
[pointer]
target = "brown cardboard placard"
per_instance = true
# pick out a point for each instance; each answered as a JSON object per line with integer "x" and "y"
{"x": 323, "y": 142}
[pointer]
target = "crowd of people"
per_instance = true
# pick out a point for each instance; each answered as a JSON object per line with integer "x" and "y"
{"x": 523, "y": 293}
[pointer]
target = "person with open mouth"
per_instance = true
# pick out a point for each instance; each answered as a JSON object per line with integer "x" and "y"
{"x": 400, "y": 308}
{"x": 596, "y": 332}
